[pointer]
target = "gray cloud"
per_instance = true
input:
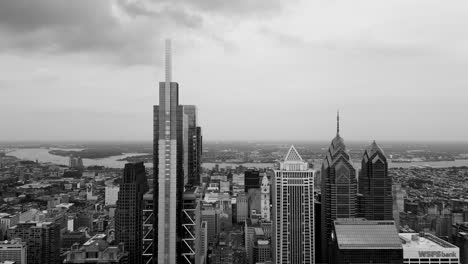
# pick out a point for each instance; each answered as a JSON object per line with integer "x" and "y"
{"x": 89, "y": 27}
{"x": 95, "y": 29}
{"x": 229, "y": 7}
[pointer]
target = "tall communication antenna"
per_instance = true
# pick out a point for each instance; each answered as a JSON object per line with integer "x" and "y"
{"x": 168, "y": 64}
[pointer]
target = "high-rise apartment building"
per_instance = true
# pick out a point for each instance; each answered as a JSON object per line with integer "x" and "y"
{"x": 293, "y": 211}
{"x": 375, "y": 185}
{"x": 176, "y": 163}
{"x": 129, "y": 212}
{"x": 338, "y": 190}
{"x": 14, "y": 250}
{"x": 42, "y": 240}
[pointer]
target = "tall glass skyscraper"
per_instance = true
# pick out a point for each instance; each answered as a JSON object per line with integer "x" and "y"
{"x": 375, "y": 185}
{"x": 293, "y": 211}
{"x": 176, "y": 163}
{"x": 338, "y": 190}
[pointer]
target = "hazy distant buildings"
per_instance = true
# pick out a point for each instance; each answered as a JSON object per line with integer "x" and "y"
{"x": 129, "y": 213}
{"x": 176, "y": 162}
{"x": 338, "y": 190}
{"x": 293, "y": 211}
{"x": 375, "y": 185}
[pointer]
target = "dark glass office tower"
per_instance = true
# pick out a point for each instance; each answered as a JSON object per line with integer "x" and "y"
{"x": 193, "y": 152}
{"x": 129, "y": 212}
{"x": 251, "y": 180}
{"x": 338, "y": 190}
{"x": 375, "y": 185}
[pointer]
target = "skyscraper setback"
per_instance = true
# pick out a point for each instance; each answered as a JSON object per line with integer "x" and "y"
{"x": 338, "y": 189}
{"x": 176, "y": 161}
{"x": 293, "y": 211}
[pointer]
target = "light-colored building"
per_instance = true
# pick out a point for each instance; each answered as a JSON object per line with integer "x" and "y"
{"x": 112, "y": 193}
{"x": 97, "y": 250}
{"x": 427, "y": 248}
{"x": 242, "y": 204}
{"x": 6, "y": 221}
{"x": 293, "y": 211}
{"x": 14, "y": 250}
{"x": 265, "y": 198}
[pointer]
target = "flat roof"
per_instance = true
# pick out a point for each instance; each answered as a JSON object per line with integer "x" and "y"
{"x": 363, "y": 234}
{"x": 427, "y": 242}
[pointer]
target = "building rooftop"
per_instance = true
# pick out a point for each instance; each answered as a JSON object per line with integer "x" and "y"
{"x": 425, "y": 241}
{"x": 362, "y": 234}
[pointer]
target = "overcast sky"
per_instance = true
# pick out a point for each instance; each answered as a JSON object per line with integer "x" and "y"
{"x": 256, "y": 69}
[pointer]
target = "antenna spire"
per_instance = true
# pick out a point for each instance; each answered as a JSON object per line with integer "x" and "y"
{"x": 168, "y": 62}
{"x": 338, "y": 122}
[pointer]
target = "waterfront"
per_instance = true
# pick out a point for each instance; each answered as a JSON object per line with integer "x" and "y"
{"x": 43, "y": 155}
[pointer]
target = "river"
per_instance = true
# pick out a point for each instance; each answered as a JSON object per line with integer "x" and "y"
{"x": 43, "y": 155}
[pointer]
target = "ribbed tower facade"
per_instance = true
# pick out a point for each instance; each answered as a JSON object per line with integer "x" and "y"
{"x": 293, "y": 211}
{"x": 375, "y": 185}
{"x": 338, "y": 190}
{"x": 129, "y": 212}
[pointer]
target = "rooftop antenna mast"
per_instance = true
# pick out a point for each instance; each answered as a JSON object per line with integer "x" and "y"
{"x": 168, "y": 62}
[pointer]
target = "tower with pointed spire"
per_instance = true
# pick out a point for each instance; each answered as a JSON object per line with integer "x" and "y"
{"x": 338, "y": 189}
{"x": 375, "y": 185}
{"x": 176, "y": 160}
{"x": 293, "y": 211}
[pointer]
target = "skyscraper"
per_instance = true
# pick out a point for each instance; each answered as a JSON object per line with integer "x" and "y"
{"x": 129, "y": 213}
{"x": 338, "y": 189}
{"x": 42, "y": 240}
{"x": 293, "y": 211}
{"x": 176, "y": 163}
{"x": 375, "y": 185}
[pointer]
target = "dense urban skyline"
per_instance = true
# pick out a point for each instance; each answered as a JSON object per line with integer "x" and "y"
{"x": 254, "y": 60}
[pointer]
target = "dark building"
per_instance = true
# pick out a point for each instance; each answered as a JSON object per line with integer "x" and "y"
{"x": 361, "y": 241}
{"x": 251, "y": 179}
{"x": 70, "y": 238}
{"x": 129, "y": 212}
{"x": 375, "y": 185}
{"x": 338, "y": 190}
{"x": 42, "y": 240}
{"x": 194, "y": 146}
